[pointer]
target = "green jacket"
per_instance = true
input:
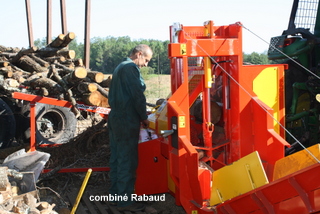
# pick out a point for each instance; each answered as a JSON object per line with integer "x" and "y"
{"x": 126, "y": 93}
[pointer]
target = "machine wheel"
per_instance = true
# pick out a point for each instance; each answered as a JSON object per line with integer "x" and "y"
{"x": 7, "y": 125}
{"x": 55, "y": 125}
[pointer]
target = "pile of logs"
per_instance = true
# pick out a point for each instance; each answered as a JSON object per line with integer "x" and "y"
{"x": 13, "y": 201}
{"x": 52, "y": 71}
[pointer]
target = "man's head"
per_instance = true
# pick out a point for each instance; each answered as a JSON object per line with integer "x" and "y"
{"x": 141, "y": 55}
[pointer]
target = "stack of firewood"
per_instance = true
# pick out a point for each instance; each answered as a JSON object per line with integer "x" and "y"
{"x": 52, "y": 71}
{"x": 12, "y": 200}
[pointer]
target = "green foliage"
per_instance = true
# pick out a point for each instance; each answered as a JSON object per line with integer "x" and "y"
{"x": 256, "y": 58}
{"x": 40, "y": 43}
{"x": 106, "y": 53}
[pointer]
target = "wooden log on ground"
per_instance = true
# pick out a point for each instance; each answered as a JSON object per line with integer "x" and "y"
{"x": 55, "y": 58}
{"x": 87, "y": 87}
{"x": 215, "y": 110}
{"x": 47, "y": 52}
{"x": 17, "y": 75}
{"x": 8, "y": 55}
{"x": 9, "y": 49}
{"x": 22, "y": 53}
{"x": 103, "y": 91}
{"x": 53, "y": 87}
{"x": 106, "y": 82}
{"x": 67, "y": 39}
{"x": 28, "y": 64}
{"x": 68, "y": 54}
{"x": 93, "y": 98}
{"x": 6, "y": 71}
{"x": 65, "y": 68}
{"x": 68, "y": 91}
{"x": 12, "y": 83}
{"x": 69, "y": 64}
{"x": 78, "y": 74}
{"x": 4, "y": 63}
{"x": 57, "y": 41}
{"x": 78, "y": 62}
{"x": 40, "y": 61}
{"x": 23, "y": 72}
{"x": 95, "y": 76}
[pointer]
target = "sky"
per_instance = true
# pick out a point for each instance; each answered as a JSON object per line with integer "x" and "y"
{"x": 146, "y": 19}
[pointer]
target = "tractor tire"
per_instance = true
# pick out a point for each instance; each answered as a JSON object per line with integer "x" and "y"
{"x": 54, "y": 124}
{"x": 7, "y": 125}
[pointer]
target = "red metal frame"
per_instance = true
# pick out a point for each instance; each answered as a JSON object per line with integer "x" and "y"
{"x": 33, "y": 99}
{"x": 247, "y": 122}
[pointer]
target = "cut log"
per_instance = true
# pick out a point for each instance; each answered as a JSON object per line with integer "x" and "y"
{"x": 18, "y": 76}
{"x": 4, "y": 63}
{"x": 67, "y": 90}
{"x": 95, "y": 76}
{"x": 96, "y": 99}
{"x": 104, "y": 92}
{"x": 28, "y": 64}
{"x": 57, "y": 41}
{"x": 9, "y": 49}
{"x": 43, "y": 205}
{"x": 67, "y": 39}
{"x": 78, "y": 62}
{"x": 106, "y": 83}
{"x": 75, "y": 76}
{"x": 7, "y": 54}
{"x": 6, "y": 71}
{"x": 55, "y": 58}
{"x": 215, "y": 109}
{"x": 69, "y": 64}
{"x": 15, "y": 68}
{"x": 23, "y": 52}
{"x": 40, "y": 61}
{"x": 47, "y": 52}
{"x": 54, "y": 88}
{"x": 12, "y": 83}
{"x": 43, "y": 92}
{"x": 68, "y": 54}
{"x": 65, "y": 68}
{"x": 93, "y": 98}
{"x": 87, "y": 87}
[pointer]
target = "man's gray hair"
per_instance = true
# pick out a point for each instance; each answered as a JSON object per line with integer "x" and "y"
{"x": 141, "y": 48}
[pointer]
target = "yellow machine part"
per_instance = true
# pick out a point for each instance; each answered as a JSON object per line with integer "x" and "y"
{"x": 296, "y": 162}
{"x": 238, "y": 178}
{"x": 158, "y": 121}
{"x": 266, "y": 87}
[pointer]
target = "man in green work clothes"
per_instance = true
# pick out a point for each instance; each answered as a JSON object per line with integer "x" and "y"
{"x": 128, "y": 111}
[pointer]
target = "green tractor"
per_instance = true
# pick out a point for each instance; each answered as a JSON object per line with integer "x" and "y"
{"x": 299, "y": 47}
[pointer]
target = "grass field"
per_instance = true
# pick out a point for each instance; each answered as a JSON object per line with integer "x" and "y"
{"x": 158, "y": 86}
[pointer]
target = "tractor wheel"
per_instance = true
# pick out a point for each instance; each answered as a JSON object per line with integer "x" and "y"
{"x": 7, "y": 125}
{"x": 55, "y": 125}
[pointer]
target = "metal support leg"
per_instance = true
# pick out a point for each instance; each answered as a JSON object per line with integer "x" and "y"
{"x": 32, "y": 126}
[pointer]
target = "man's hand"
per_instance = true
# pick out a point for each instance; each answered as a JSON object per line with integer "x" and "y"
{"x": 145, "y": 123}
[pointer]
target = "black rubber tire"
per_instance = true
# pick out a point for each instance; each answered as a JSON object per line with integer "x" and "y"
{"x": 55, "y": 124}
{"x": 7, "y": 125}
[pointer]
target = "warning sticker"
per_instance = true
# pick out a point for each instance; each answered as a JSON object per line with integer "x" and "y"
{"x": 182, "y": 122}
{"x": 183, "y": 49}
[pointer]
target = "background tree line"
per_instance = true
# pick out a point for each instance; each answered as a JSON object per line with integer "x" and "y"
{"x": 106, "y": 53}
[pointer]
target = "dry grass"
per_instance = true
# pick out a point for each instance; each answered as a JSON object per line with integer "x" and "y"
{"x": 158, "y": 86}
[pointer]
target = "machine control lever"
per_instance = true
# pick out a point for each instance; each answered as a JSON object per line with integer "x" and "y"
{"x": 166, "y": 133}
